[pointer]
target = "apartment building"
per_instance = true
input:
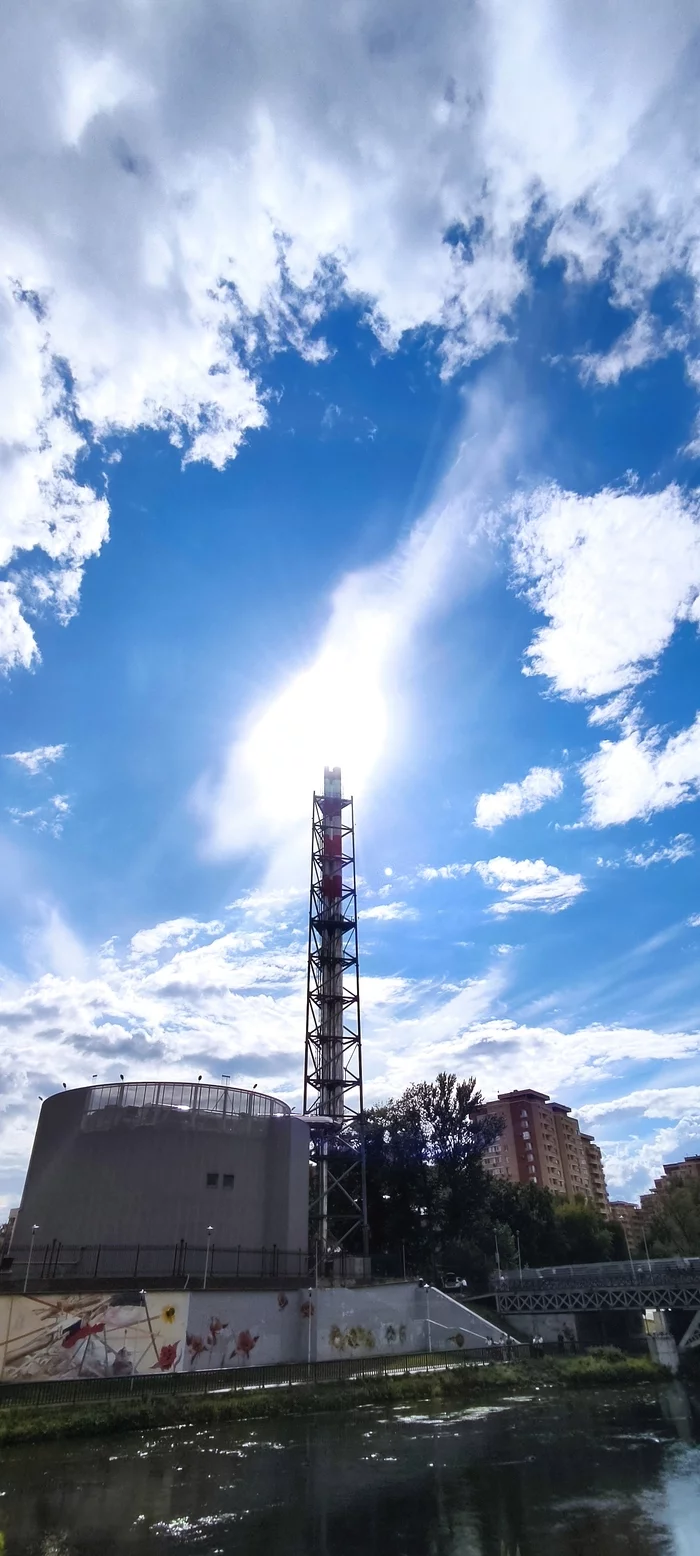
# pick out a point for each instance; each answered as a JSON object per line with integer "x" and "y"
{"x": 674, "y": 1172}
{"x": 541, "y": 1143}
{"x": 629, "y": 1216}
{"x": 596, "y": 1173}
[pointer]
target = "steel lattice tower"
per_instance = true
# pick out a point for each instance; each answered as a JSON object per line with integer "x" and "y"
{"x": 333, "y": 1101}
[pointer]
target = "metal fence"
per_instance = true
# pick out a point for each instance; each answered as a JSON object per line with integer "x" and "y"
{"x": 233, "y": 1380}
{"x": 53, "y": 1265}
{"x": 185, "y": 1097}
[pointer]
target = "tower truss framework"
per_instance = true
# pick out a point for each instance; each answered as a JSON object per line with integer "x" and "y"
{"x": 333, "y": 1096}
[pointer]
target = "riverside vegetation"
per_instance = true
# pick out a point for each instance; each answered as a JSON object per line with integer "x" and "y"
{"x": 604, "y": 1368}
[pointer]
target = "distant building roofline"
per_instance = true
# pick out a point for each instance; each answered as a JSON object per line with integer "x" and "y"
{"x": 515, "y": 1096}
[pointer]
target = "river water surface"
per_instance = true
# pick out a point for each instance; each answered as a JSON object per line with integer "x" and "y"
{"x": 603, "y": 1474}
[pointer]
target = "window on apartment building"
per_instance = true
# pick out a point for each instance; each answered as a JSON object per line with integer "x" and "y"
{"x": 212, "y": 1180}
{"x": 228, "y": 1180}
{"x": 526, "y": 1134}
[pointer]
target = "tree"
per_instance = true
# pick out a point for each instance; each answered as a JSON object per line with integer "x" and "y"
{"x": 432, "y": 1206}
{"x": 424, "y": 1173}
{"x": 674, "y": 1229}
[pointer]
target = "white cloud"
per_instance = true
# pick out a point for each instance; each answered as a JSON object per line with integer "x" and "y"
{"x": 517, "y": 799}
{"x": 614, "y": 573}
{"x": 640, "y": 774}
{"x": 178, "y": 931}
{"x": 527, "y": 884}
{"x": 176, "y": 208}
{"x": 643, "y": 342}
{"x": 386, "y": 912}
{"x": 35, "y": 761}
{"x": 680, "y": 847}
{"x": 524, "y": 883}
{"x": 270, "y": 905}
{"x": 197, "y": 1000}
{"x": 669, "y": 1102}
{"x": 48, "y": 817}
{"x": 694, "y": 920}
{"x": 444, "y": 872}
{"x": 345, "y": 706}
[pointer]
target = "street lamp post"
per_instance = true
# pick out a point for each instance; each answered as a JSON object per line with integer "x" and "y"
{"x": 210, "y": 1230}
{"x": 29, "y": 1259}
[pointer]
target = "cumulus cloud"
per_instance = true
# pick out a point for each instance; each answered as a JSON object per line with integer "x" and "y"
{"x": 175, "y": 931}
{"x": 613, "y": 573}
{"x": 179, "y": 202}
{"x": 524, "y": 883}
{"x": 640, "y": 774}
{"x": 517, "y": 799}
{"x": 529, "y": 883}
{"x": 35, "y": 761}
{"x": 196, "y": 999}
{"x": 386, "y": 912}
{"x": 444, "y": 872}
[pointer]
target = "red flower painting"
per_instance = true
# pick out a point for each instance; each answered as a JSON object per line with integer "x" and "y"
{"x": 246, "y": 1343}
{"x": 167, "y": 1357}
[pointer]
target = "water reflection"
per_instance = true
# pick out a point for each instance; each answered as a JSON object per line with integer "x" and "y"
{"x": 602, "y": 1474}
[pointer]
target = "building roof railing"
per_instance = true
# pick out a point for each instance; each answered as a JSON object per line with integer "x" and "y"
{"x": 186, "y": 1097}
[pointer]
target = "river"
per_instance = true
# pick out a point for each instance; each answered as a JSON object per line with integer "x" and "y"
{"x": 605, "y": 1474}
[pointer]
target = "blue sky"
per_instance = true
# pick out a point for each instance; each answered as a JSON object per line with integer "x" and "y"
{"x": 350, "y": 374}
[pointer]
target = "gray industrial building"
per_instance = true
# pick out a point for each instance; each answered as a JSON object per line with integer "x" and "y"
{"x": 159, "y": 1162}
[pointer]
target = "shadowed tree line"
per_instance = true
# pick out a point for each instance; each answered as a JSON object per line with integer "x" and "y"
{"x": 674, "y": 1229}
{"x": 434, "y": 1208}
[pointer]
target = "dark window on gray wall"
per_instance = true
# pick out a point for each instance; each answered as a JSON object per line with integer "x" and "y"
{"x": 212, "y": 1180}
{"x": 228, "y": 1180}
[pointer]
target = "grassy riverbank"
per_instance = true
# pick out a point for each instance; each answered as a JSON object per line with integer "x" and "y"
{"x": 462, "y": 1385}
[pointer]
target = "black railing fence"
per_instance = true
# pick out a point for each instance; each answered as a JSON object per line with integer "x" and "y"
{"x": 232, "y": 1380}
{"x": 184, "y": 1265}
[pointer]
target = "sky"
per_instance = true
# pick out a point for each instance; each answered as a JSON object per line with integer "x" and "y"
{"x": 349, "y": 414}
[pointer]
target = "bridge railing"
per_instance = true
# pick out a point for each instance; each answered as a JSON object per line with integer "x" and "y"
{"x": 615, "y": 1273}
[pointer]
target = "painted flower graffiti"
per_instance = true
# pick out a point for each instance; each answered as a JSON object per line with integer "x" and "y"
{"x": 94, "y": 1336}
{"x": 246, "y": 1343}
{"x": 167, "y": 1357}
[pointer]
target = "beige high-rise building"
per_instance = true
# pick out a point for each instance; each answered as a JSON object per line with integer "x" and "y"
{"x": 629, "y": 1216}
{"x": 686, "y": 1171}
{"x": 541, "y": 1143}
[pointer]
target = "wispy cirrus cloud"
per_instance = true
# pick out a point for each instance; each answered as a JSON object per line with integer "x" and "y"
{"x": 38, "y": 759}
{"x": 682, "y": 846}
{"x": 345, "y": 704}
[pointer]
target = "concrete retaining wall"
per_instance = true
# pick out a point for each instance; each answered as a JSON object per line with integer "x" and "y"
{"x": 78, "y": 1335}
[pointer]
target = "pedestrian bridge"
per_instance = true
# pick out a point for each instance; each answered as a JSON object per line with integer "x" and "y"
{"x": 628, "y": 1286}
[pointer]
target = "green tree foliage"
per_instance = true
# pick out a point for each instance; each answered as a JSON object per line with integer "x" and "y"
{"x": 432, "y": 1204}
{"x": 424, "y": 1171}
{"x": 674, "y": 1230}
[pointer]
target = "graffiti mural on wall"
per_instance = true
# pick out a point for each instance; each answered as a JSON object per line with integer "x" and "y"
{"x": 220, "y": 1345}
{"x": 95, "y": 1336}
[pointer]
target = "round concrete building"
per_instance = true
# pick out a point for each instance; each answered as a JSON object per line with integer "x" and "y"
{"x": 158, "y": 1163}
